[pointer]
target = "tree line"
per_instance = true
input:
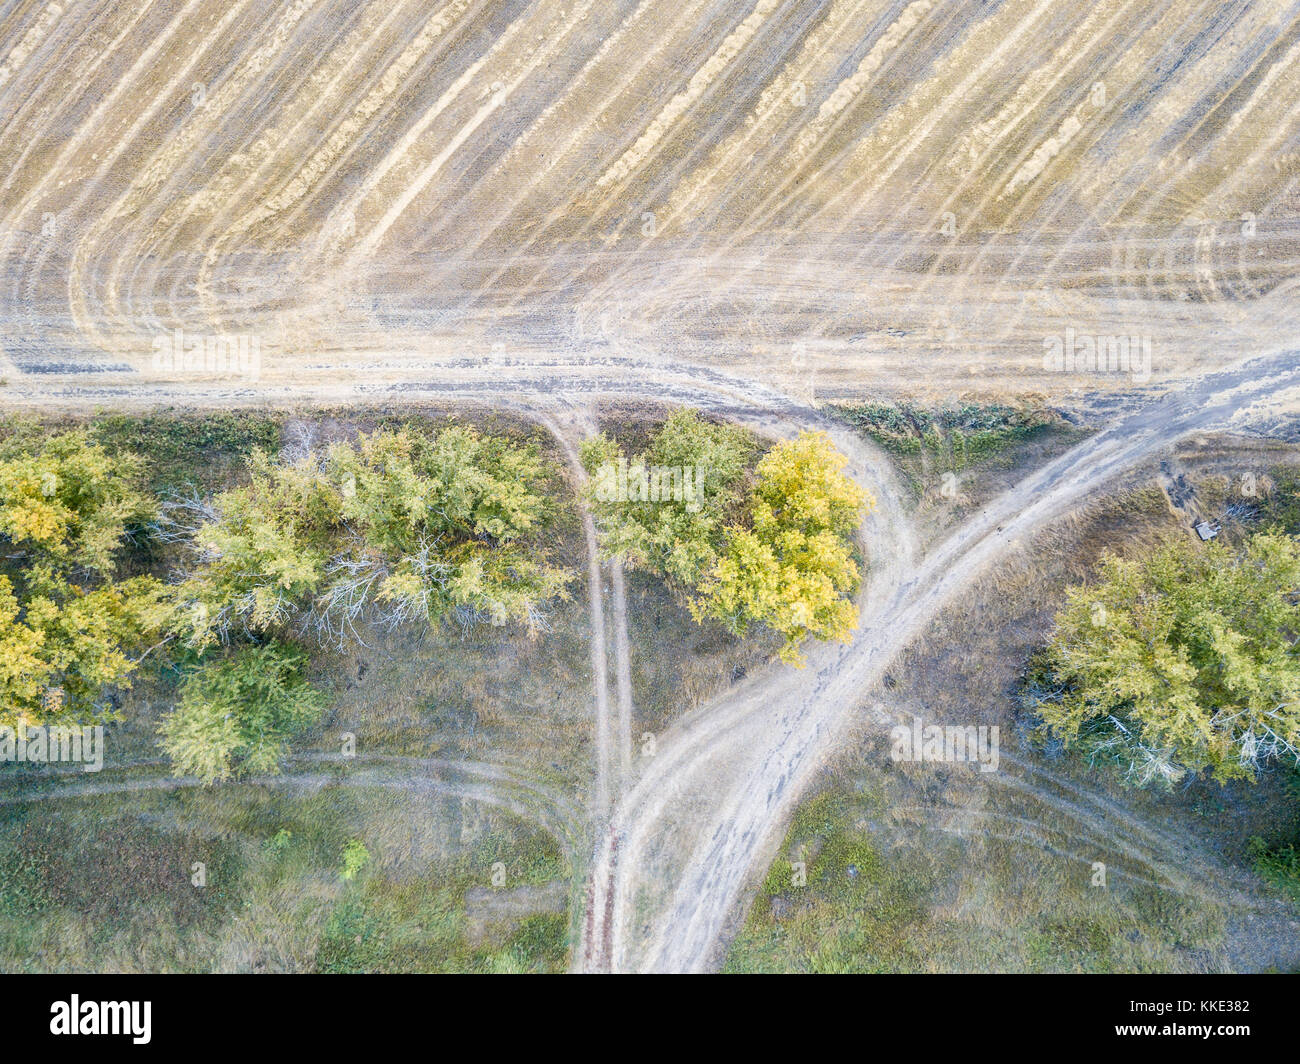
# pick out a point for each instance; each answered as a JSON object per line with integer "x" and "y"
{"x": 448, "y": 528}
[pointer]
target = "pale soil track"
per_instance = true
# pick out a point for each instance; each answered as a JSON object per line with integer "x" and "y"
{"x": 595, "y": 605}
{"x": 782, "y": 732}
{"x": 475, "y": 781}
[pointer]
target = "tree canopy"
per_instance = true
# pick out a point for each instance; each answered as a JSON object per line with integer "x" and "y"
{"x": 1180, "y": 661}
{"x": 396, "y": 523}
{"x": 237, "y": 713}
{"x": 68, "y": 629}
{"x": 679, "y": 538}
{"x": 793, "y": 568}
{"x": 68, "y": 505}
{"x": 760, "y": 544}
{"x": 396, "y": 526}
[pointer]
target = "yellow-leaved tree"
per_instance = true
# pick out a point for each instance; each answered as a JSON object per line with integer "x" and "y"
{"x": 69, "y": 630}
{"x": 793, "y": 570}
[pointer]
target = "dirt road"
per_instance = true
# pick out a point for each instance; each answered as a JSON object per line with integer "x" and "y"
{"x": 765, "y": 743}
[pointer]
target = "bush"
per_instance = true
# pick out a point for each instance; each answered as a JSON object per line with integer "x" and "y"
{"x": 188, "y": 448}
{"x": 355, "y": 858}
{"x": 237, "y": 714}
{"x": 953, "y": 436}
{"x": 1182, "y": 661}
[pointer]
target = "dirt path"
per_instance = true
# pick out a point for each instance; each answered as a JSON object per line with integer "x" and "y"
{"x": 609, "y": 747}
{"x": 490, "y": 784}
{"x": 799, "y": 723}
{"x": 693, "y": 744}
{"x": 565, "y": 428}
{"x": 622, "y": 674}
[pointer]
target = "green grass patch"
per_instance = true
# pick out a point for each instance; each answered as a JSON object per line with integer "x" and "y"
{"x": 953, "y": 438}
{"x": 1279, "y": 866}
{"x": 105, "y": 884}
{"x": 386, "y": 924}
{"x": 94, "y": 878}
{"x": 199, "y": 450}
{"x": 887, "y": 889}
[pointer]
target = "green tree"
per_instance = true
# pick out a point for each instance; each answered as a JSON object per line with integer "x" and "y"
{"x": 395, "y": 524}
{"x": 61, "y": 649}
{"x": 262, "y": 549}
{"x": 67, "y": 504}
{"x": 1181, "y": 661}
{"x": 683, "y": 537}
{"x": 450, "y": 527}
{"x": 237, "y": 714}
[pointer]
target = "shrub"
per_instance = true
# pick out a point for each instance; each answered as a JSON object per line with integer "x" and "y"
{"x": 1182, "y": 661}
{"x": 237, "y": 714}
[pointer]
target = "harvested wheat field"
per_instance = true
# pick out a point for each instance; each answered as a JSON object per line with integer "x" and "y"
{"x": 903, "y": 196}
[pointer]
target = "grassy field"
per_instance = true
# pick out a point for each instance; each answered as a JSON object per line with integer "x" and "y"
{"x": 889, "y": 892}
{"x": 106, "y": 883}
